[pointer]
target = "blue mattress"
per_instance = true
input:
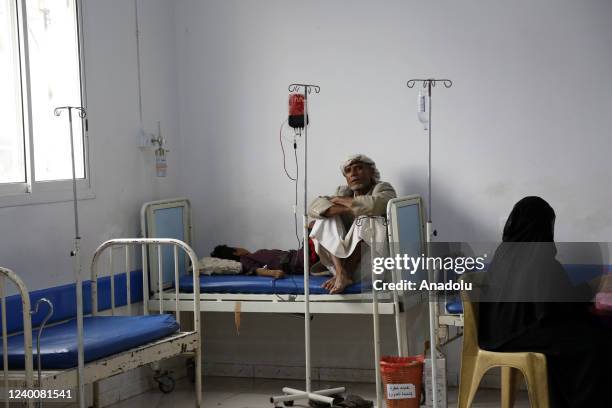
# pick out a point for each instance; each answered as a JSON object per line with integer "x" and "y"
{"x": 454, "y": 307}
{"x": 290, "y": 285}
{"x": 103, "y": 336}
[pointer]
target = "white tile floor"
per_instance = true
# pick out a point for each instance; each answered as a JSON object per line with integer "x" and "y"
{"x": 230, "y": 392}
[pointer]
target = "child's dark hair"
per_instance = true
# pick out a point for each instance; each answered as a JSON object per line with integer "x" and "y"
{"x": 225, "y": 252}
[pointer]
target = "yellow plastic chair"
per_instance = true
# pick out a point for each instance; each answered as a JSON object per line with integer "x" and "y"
{"x": 475, "y": 362}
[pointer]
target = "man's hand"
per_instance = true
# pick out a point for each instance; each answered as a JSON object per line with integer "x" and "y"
{"x": 336, "y": 210}
{"x": 272, "y": 273}
{"x": 343, "y": 201}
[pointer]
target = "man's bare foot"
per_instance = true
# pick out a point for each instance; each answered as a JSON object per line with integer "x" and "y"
{"x": 342, "y": 281}
{"x": 329, "y": 284}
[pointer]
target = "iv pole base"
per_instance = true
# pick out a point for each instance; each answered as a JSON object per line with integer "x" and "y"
{"x": 292, "y": 394}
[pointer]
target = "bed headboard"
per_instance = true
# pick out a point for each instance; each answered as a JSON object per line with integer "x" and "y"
{"x": 406, "y": 230}
{"x": 170, "y": 218}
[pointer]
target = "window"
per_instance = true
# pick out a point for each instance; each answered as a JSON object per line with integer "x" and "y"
{"x": 40, "y": 69}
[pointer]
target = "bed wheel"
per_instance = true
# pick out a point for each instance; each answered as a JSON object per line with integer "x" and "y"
{"x": 165, "y": 382}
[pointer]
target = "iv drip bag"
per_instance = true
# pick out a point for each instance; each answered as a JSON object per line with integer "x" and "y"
{"x": 423, "y": 108}
{"x": 296, "y": 111}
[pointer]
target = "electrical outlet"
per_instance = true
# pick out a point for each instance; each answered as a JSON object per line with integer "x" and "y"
{"x": 144, "y": 139}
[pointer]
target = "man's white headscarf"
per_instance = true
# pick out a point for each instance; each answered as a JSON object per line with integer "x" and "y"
{"x": 361, "y": 158}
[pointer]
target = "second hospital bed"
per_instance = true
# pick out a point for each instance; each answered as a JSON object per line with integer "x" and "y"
{"x": 229, "y": 293}
{"x": 111, "y": 344}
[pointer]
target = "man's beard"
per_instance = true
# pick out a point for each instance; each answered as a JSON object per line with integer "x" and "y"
{"x": 359, "y": 187}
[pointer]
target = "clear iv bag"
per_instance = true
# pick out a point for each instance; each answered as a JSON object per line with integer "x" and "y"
{"x": 423, "y": 108}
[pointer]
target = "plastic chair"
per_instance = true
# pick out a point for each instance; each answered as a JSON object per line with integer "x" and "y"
{"x": 475, "y": 362}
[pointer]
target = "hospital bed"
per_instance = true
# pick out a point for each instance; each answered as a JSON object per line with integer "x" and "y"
{"x": 112, "y": 343}
{"x": 452, "y": 313}
{"x": 256, "y": 294}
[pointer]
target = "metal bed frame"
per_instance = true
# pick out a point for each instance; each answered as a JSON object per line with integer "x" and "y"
{"x": 9, "y": 379}
{"x": 172, "y": 300}
{"x": 450, "y": 319}
{"x": 257, "y": 303}
{"x": 180, "y": 343}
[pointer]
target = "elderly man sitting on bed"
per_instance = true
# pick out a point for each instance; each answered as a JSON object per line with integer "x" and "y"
{"x": 363, "y": 195}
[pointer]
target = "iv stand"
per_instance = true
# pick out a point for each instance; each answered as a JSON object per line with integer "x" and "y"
{"x": 75, "y": 253}
{"x": 292, "y": 394}
{"x": 430, "y": 232}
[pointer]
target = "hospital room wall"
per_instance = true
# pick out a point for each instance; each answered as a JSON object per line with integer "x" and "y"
{"x": 35, "y": 239}
{"x": 529, "y": 113}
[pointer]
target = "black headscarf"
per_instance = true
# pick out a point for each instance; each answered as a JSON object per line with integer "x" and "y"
{"x": 531, "y": 220}
{"x": 524, "y": 277}
{"x": 524, "y": 267}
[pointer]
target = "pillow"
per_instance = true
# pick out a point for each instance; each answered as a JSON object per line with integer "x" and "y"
{"x": 217, "y": 266}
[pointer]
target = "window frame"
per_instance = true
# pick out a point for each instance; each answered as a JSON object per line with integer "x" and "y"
{"x": 32, "y": 191}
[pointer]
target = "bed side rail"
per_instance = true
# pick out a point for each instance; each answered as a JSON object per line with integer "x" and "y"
{"x": 27, "y": 329}
{"x": 130, "y": 245}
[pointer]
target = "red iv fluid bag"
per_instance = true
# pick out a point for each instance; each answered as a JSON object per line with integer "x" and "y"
{"x": 296, "y": 111}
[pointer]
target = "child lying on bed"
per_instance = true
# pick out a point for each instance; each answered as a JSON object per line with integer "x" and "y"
{"x": 274, "y": 263}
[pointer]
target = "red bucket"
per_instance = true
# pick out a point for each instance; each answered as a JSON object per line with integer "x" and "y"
{"x": 402, "y": 380}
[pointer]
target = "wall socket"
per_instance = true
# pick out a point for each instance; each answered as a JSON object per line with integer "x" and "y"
{"x": 145, "y": 139}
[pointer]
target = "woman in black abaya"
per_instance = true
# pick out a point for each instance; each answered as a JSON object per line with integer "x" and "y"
{"x": 531, "y": 305}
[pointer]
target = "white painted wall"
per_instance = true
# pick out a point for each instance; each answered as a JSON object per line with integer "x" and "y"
{"x": 35, "y": 240}
{"x": 529, "y": 114}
